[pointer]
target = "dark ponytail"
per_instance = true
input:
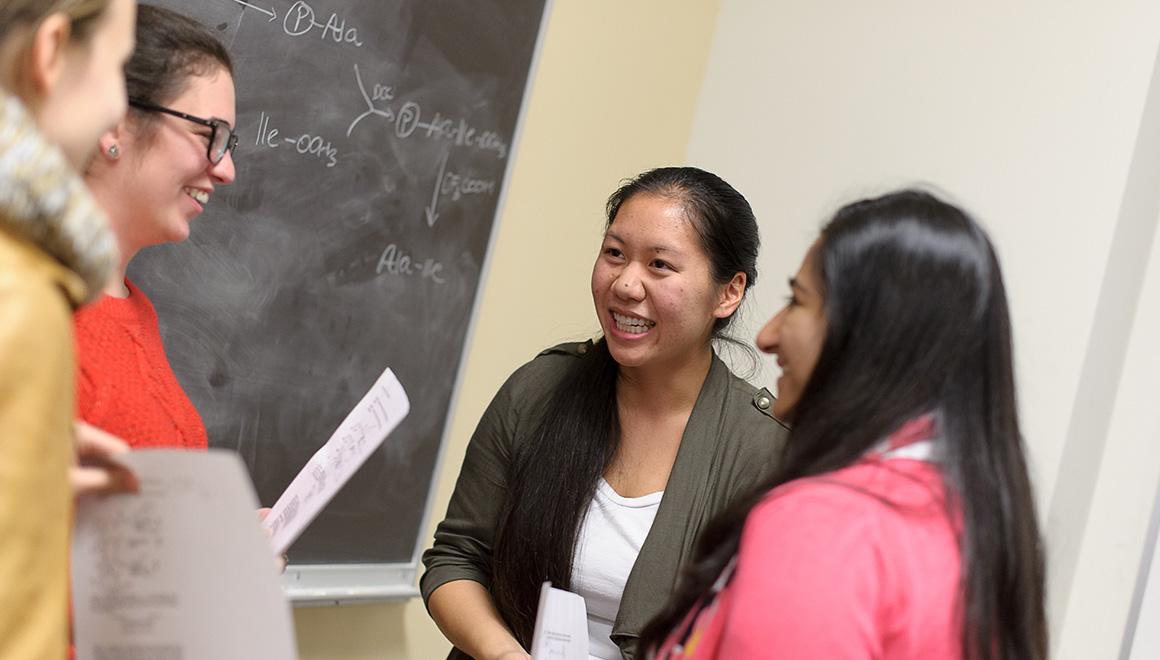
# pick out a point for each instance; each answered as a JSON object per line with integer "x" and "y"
{"x": 552, "y": 481}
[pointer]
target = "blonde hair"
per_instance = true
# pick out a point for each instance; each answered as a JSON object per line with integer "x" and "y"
{"x": 16, "y": 16}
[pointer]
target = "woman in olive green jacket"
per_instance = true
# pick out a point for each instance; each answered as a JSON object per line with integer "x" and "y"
{"x": 597, "y": 464}
{"x": 60, "y": 87}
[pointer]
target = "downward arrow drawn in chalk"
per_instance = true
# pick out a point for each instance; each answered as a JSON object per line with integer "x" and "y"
{"x": 430, "y": 209}
{"x": 268, "y": 12}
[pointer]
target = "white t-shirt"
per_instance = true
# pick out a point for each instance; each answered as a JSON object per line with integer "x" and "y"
{"x": 610, "y": 539}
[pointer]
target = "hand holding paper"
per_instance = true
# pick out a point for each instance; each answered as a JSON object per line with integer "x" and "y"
{"x": 561, "y": 631}
{"x": 178, "y": 570}
{"x": 95, "y": 469}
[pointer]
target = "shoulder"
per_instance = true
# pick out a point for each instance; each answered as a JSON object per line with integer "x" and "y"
{"x": 870, "y": 497}
{"x": 108, "y": 313}
{"x": 815, "y": 531}
{"x": 522, "y": 396}
{"x": 752, "y": 404}
{"x": 35, "y": 328}
{"x": 543, "y": 373}
{"x": 26, "y": 264}
{"x": 810, "y": 502}
{"x": 92, "y": 315}
{"x": 745, "y": 411}
{"x": 100, "y": 330}
{"x": 32, "y": 297}
{"x": 562, "y": 356}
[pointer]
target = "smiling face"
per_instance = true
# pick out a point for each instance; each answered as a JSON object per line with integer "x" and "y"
{"x": 165, "y": 179}
{"x": 796, "y": 335}
{"x": 652, "y": 287}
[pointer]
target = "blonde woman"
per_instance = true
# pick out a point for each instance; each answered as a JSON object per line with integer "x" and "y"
{"x": 61, "y": 87}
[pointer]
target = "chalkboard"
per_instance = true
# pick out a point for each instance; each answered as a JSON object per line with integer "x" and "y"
{"x": 375, "y": 138}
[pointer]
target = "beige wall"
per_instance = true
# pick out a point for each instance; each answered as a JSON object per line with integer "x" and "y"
{"x": 1030, "y": 114}
{"x": 613, "y": 95}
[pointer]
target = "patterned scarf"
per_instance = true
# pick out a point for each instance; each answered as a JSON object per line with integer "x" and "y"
{"x": 44, "y": 201}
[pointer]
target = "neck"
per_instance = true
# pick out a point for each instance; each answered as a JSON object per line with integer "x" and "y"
{"x": 670, "y": 386}
{"x": 116, "y": 286}
{"x": 104, "y": 189}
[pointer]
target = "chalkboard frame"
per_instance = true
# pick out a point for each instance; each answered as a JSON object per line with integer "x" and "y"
{"x": 321, "y": 584}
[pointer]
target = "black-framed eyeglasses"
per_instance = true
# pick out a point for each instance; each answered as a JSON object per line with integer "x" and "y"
{"x": 221, "y": 140}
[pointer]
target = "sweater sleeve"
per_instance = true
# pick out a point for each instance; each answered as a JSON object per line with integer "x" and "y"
{"x": 809, "y": 579}
{"x": 463, "y": 540}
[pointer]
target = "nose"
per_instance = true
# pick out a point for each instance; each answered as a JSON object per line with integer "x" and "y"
{"x": 223, "y": 172}
{"x": 769, "y": 337}
{"x": 628, "y": 285}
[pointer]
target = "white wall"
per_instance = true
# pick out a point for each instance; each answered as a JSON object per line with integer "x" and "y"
{"x": 1144, "y": 636}
{"x": 1111, "y": 462}
{"x": 1028, "y": 114}
{"x": 1109, "y": 560}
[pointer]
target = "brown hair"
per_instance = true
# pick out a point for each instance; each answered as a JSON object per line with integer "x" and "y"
{"x": 23, "y": 14}
{"x": 171, "y": 49}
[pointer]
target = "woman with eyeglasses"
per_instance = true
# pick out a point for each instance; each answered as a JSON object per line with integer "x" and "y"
{"x": 154, "y": 173}
{"x": 60, "y": 87}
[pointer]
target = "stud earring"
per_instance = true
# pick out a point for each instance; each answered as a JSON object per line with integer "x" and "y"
{"x": 114, "y": 152}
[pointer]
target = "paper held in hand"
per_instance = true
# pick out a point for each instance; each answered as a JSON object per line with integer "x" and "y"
{"x": 561, "y": 631}
{"x": 359, "y": 435}
{"x": 180, "y": 569}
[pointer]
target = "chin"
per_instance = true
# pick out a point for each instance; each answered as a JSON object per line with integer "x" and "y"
{"x": 177, "y": 233}
{"x": 625, "y": 358}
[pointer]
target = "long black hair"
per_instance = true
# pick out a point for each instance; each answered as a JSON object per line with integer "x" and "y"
{"x": 553, "y": 477}
{"x": 916, "y": 321}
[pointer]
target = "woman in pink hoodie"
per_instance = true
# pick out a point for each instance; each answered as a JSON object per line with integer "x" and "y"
{"x": 901, "y": 524}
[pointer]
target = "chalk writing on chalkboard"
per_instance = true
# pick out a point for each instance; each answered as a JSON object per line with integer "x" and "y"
{"x": 376, "y": 138}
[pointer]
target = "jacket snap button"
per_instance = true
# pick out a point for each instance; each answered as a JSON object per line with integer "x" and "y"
{"x": 763, "y": 402}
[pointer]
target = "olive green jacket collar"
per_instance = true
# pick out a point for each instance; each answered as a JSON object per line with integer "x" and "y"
{"x": 710, "y": 471}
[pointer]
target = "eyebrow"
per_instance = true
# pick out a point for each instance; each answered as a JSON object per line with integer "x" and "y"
{"x": 655, "y": 248}
{"x": 795, "y": 284}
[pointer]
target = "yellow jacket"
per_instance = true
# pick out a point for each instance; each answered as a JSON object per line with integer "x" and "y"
{"x": 55, "y": 251}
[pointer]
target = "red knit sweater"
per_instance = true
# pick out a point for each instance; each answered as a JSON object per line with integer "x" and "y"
{"x": 124, "y": 382}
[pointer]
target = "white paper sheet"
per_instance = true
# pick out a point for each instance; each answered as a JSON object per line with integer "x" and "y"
{"x": 179, "y": 571}
{"x": 359, "y": 435}
{"x": 561, "y": 631}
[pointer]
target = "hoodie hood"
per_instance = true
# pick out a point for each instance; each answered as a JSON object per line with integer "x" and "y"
{"x": 44, "y": 201}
